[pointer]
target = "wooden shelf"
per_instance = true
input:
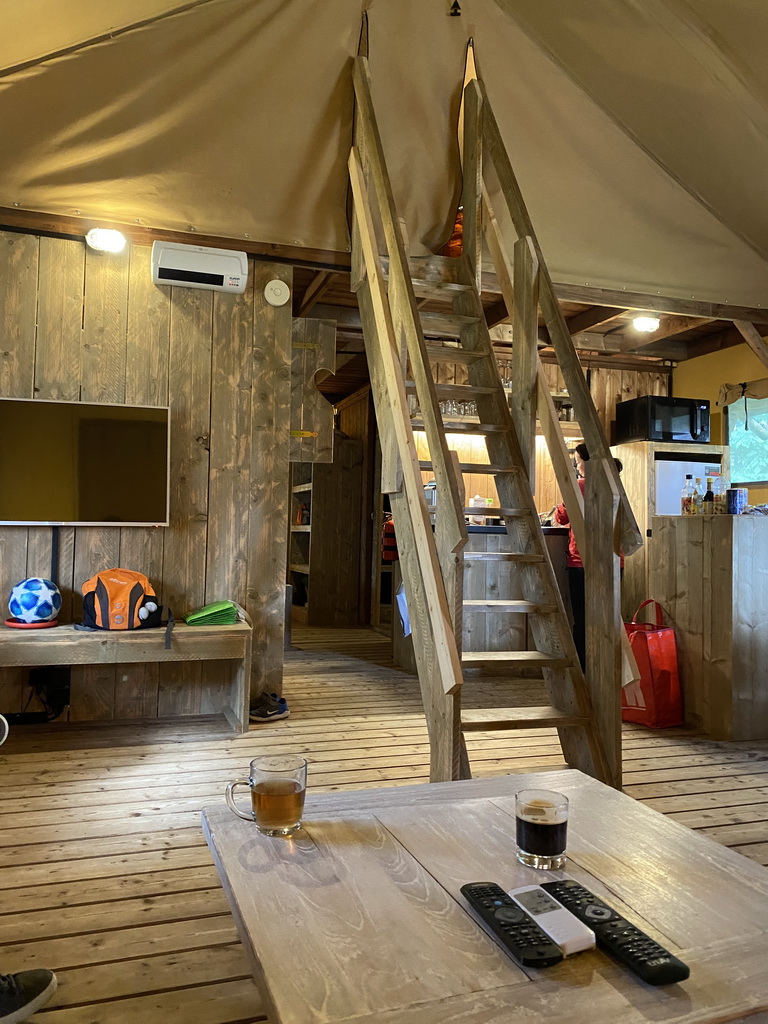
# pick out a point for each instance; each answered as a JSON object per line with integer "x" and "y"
{"x": 300, "y": 488}
{"x": 299, "y": 568}
{"x": 301, "y": 529}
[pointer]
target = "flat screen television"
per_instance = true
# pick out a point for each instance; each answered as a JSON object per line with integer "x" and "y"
{"x": 83, "y": 464}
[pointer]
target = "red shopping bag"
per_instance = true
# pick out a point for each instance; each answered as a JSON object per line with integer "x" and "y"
{"x": 656, "y": 700}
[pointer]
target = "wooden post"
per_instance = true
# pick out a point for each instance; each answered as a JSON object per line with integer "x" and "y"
{"x": 471, "y": 191}
{"x": 525, "y": 331}
{"x": 603, "y": 615}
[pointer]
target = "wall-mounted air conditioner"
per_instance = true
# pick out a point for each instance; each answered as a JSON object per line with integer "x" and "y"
{"x": 196, "y": 266}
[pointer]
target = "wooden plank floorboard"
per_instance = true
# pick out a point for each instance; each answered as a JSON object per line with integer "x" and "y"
{"x": 105, "y": 874}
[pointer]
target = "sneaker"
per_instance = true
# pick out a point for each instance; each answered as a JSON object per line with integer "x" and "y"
{"x": 22, "y": 994}
{"x": 268, "y": 707}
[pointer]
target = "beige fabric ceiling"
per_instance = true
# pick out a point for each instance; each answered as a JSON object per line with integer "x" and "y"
{"x": 638, "y": 128}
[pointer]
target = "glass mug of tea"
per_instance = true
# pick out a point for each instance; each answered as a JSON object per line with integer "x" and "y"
{"x": 541, "y": 818}
{"x": 278, "y": 784}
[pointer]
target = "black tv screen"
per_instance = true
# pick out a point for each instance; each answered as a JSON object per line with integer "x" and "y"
{"x": 80, "y": 464}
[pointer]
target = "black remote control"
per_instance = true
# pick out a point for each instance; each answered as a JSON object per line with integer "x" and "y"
{"x": 516, "y": 931}
{"x": 638, "y": 951}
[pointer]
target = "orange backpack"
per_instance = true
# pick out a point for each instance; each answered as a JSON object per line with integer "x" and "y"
{"x": 120, "y": 599}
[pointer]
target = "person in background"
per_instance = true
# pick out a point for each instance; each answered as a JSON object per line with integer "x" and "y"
{"x": 574, "y": 564}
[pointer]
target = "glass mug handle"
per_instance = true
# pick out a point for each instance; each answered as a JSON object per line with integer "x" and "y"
{"x": 230, "y": 794}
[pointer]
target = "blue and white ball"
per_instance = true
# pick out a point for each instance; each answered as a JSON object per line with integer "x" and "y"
{"x": 35, "y": 600}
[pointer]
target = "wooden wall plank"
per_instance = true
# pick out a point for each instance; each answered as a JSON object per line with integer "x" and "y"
{"x": 146, "y": 383}
{"x": 18, "y": 306}
{"x": 102, "y": 379}
{"x": 313, "y": 350}
{"x": 268, "y": 519}
{"x": 185, "y": 540}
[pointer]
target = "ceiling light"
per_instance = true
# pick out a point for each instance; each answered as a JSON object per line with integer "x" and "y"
{"x": 105, "y": 240}
{"x": 646, "y": 323}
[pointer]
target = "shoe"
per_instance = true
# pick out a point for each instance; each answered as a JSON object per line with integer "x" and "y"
{"x": 22, "y": 994}
{"x": 268, "y": 707}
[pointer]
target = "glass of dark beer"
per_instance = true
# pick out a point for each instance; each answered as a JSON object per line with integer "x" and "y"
{"x": 542, "y": 827}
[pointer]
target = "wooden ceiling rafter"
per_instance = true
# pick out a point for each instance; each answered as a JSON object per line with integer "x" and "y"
{"x": 595, "y": 316}
{"x": 315, "y": 291}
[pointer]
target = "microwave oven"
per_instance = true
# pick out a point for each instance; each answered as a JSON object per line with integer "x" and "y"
{"x": 657, "y": 418}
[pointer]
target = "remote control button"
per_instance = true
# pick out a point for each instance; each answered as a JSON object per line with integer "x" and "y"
{"x": 596, "y": 913}
{"x": 512, "y": 915}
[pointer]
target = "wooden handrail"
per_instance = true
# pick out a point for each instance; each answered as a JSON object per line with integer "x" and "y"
{"x": 450, "y": 526}
{"x": 511, "y": 210}
{"x": 387, "y": 376}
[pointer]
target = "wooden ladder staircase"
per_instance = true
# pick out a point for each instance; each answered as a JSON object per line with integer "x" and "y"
{"x": 462, "y": 338}
{"x": 404, "y": 346}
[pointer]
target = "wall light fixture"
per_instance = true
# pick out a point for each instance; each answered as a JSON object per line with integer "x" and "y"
{"x": 105, "y": 240}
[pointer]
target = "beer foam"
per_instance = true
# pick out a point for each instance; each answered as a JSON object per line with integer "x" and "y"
{"x": 542, "y": 812}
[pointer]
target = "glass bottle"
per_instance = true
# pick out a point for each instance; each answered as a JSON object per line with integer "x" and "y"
{"x": 699, "y": 496}
{"x": 687, "y": 506}
{"x": 719, "y": 487}
{"x": 708, "y": 503}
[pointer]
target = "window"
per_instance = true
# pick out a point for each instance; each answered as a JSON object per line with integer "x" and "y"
{"x": 748, "y": 438}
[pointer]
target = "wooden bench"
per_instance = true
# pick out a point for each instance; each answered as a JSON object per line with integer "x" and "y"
{"x": 64, "y": 645}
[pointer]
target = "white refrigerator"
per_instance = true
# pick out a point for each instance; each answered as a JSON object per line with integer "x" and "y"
{"x": 670, "y": 478}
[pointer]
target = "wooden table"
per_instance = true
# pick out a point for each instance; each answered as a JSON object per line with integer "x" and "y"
{"x": 360, "y": 918}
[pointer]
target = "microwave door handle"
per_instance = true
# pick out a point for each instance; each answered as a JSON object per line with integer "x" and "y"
{"x": 695, "y": 421}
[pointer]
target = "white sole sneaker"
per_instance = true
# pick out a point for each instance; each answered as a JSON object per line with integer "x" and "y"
{"x": 26, "y": 1011}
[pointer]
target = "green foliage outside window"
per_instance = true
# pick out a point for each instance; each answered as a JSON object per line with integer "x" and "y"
{"x": 749, "y": 447}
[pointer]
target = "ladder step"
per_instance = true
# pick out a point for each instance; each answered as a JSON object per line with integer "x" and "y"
{"x": 534, "y": 659}
{"x": 430, "y": 267}
{"x": 447, "y": 354}
{"x": 481, "y": 719}
{"x": 462, "y": 427}
{"x": 500, "y": 513}
{"x": 440, "y": 291}
{"x": 462, "y": 391}
{"x": 501, "y": 556}
{"x": 478, "y": 467}
{"x": 495, "y": 513}
{"x": 446, "y": 325}
{"x": 512, "y": 606}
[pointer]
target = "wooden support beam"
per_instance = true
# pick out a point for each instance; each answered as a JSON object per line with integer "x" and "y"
{"x": 752, "y": 337}
{"x": 315, "y": 290}
{"x": 622, "y": 299}
{"x": 616, "y": 343}
{"x": 596, "y": 316}
{"x": 603, "y": 617}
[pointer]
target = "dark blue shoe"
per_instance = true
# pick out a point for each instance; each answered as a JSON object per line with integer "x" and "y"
{"x": 268, "y": 707}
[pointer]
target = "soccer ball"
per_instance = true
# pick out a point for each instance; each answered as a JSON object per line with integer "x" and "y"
{"x": 35, "y": 600}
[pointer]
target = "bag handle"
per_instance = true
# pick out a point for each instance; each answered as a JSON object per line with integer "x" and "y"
{"x": 659, "y": 612}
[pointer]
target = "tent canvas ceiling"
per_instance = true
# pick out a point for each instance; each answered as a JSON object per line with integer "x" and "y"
{"x": 638, "y": 128}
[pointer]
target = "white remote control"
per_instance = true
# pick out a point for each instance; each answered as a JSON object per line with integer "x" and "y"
{"x": 563, "y": 927}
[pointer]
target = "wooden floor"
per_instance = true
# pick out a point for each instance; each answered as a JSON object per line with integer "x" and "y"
{"x": 108, "y": 881}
